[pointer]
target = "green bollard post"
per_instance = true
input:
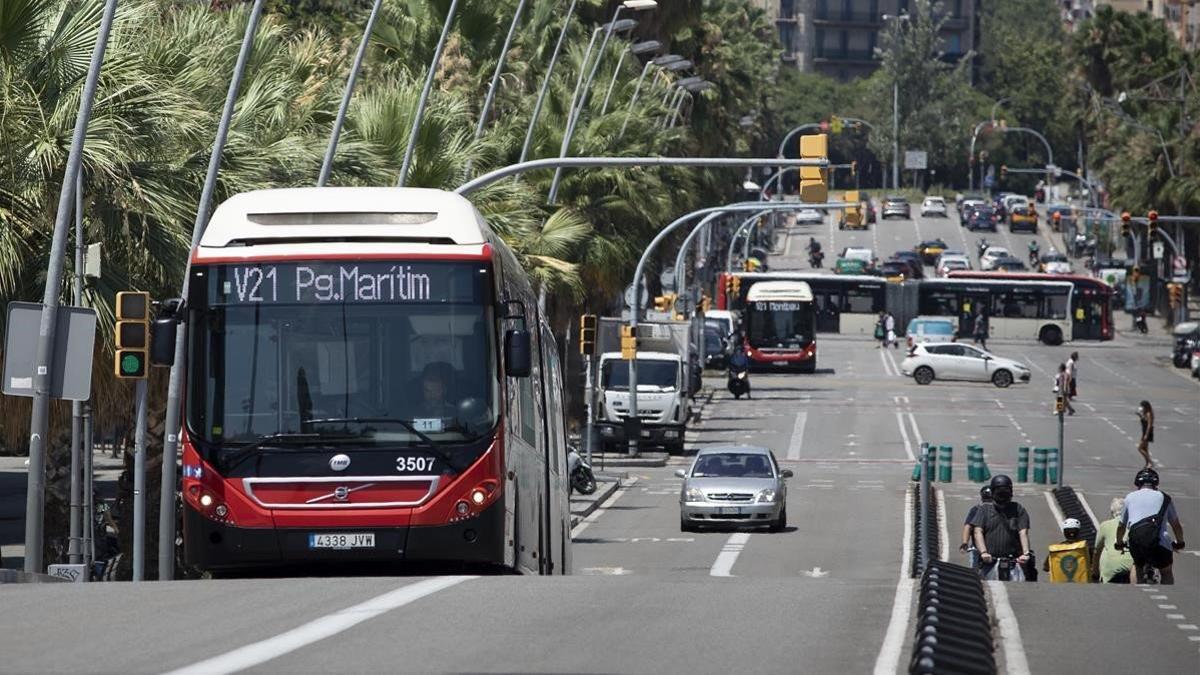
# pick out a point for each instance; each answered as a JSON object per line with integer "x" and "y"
{"x": 1039, "y": 465}
{"x": 1023, "y": 464}
{"x": 946, "y": 464}
{"x": 985, "y": 474}
{"x": 916, "y": 474}
{"x": 1052, "y": 465}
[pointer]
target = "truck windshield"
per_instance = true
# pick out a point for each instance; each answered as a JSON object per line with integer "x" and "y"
{"x": 652, "y": 374}
{"x": 780, "y": 325}
{"x": 368, "y": 352}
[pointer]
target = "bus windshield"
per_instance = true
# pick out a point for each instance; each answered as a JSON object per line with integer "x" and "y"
{"x": 367, "y": 352}
{"x": 780, "y": 324}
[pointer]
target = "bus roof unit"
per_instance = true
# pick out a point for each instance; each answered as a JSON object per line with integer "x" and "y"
{"x": 780, "y": 290}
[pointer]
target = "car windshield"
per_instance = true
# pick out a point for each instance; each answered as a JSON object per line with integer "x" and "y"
{"x": 935, "y": 328}
{"x": 356, "y": 348}
{"x": 652, "y": 374}
{"x": 733, "y": 465}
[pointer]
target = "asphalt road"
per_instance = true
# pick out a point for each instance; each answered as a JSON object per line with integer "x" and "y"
{"x": 819, "y": 597}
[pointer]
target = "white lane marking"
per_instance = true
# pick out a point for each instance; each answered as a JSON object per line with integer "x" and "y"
{"x": 1010, "y": 631}
{"x": 916, "y": 430}
{"x": 1087, "y": 507}
{"x": 888, "y": 661}
{"x": 944, "y": 541}
{"x": 892, "y": 359}
{"x": 1188, "y": 626}
{"x": 1058, "y": 514}
{"x": 723, "y": 565}
{"x": 797, "y": 435}
{"x": 883, "y": 358}
{"x": 908, "y": 448}
{"x": 595, "y": 515}
{"x": 1168, "y": 607}
{"x": 1176, "y": 617}
{"x": 787, "y": 242}
{"x": 318, "y": 629}
{"x": 817, "y": 573}
{"x": 1110, "y": 371}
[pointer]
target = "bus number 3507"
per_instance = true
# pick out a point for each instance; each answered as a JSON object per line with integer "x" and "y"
{"x": 415, "y": 464}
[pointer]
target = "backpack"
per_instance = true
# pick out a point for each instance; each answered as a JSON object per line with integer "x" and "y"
{"x": 879, "y": 331}
{"x": 1146, "y": 532}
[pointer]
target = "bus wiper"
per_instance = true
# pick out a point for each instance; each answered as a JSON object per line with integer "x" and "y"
{"x": 427, "y": 442}
{"x": 282, "y": 438}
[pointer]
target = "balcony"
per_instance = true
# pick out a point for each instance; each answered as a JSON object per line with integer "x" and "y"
{"x": 859, "y": 56}
{"x": 836, "y": 17}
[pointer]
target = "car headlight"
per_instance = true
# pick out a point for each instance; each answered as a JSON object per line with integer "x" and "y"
{"x": 767, "y": 496}
{"x": 694, "y": 495}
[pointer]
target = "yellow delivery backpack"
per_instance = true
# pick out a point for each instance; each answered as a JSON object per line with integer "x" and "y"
{"x": 1069, "y": 563}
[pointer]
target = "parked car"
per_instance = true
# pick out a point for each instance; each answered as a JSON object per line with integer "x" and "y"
{"x": 809, "y": 217}
{"x": 952, "y": 361}
{"x": 733, "y": 485}
{"x": 987, "y": 261}
{"x": 933, "y": 206}
{"x": 929, "y": 250}
{"x": 983, "y": 217}
{"x": 924, "y": 329}
{"x": 896, "y": 205}
{"x": 1023, "y": 217}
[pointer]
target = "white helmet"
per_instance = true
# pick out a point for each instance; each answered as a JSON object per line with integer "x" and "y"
{"x": 1070, "y": 524}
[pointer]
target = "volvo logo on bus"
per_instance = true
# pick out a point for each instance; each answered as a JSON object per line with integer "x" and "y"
{"x": 339, "y": 462}
{"x": 341, "y": 493}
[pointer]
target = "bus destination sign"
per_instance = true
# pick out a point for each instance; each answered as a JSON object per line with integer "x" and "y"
{"x": 349, "y": 282}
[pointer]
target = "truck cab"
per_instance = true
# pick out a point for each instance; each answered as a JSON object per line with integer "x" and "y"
{"x": 663, "y": 402}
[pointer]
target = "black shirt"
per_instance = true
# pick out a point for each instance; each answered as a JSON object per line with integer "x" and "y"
{"x": 1001, "y": 526}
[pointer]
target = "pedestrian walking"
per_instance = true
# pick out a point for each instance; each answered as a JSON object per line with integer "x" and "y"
{"x": 968, "y": 546}
{"x": 1072, "y": 371}
{"x": 981, "y": 329}
{"x": 881, "y": 330}
{"x": 1062, "y": 387}
{"x": 1145, "y": 415}
{"x": 1147, "y": 513}
{"x": 1109, "y": 565}
{"x": 1001, "y": 530}
{"x": 889, "y": 326}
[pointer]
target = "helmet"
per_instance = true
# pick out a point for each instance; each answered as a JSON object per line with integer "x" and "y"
{"x": 1070, "y": 524}
{"x": 1146, "y": 476}
{"x": 1002, "y": 489}
{"x": 985, "y": 493}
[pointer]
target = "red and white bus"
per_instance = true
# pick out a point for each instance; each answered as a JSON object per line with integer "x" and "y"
{"x": 780, "y": 326}
{"x": 368, "y": 379}
{"x": 1091, "y": 299}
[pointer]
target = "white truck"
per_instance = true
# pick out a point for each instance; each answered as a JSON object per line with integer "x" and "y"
{"x": 664, "y": 392}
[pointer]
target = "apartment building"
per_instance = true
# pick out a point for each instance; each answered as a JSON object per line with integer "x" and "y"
{"x": 838, "y": 37}
{"x": 1181, "y": 16}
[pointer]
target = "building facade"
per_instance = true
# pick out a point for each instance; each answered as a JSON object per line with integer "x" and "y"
{"x": 1181, "y": 16}
{"x": 838, "y": 37}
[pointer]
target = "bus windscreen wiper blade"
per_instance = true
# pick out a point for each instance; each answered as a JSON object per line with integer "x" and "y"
{"x": 240, "y": 454}
{"x": 408, "y": 425}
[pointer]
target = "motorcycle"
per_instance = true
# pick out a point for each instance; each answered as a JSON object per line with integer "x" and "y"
{"x": 815, "y": 259}
{"x": 1139, "y": 322}
{"x": 1033, "y": 257}
{"x": 582, "y": 479}
{"x": 982, "y": 247}
{"x": 738, "y": 381}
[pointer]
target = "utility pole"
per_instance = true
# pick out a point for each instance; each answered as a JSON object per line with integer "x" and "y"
{"x": 139, "y": 485}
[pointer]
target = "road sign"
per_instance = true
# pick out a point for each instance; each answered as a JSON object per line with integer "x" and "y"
{"x": 1179, "y": 270}
{"x": 74, "y": 342}
{"x": 645, "y": 299}
{"x": 916, "y": 159}
{"x": 1157, "y": 250}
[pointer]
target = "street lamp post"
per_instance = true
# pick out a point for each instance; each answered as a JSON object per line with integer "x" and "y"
{"x": 347, "y": 94}
{"x": 896, "y": 114}
{"x": 424, "y": 100}
{"x": 666, "y": 61}
{"x": 537, "y": 106}
{"x": 636, "y": 49}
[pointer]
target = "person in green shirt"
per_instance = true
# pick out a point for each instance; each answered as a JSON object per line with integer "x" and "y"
{"x": 1111, "y": 566}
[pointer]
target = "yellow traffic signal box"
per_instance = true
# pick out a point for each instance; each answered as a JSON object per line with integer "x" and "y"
{"x": 814, "y": 181}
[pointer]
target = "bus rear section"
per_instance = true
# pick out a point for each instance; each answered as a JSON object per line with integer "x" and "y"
{"x": 1091, "y": 299}
{"x": 349, "y": 399}
{"x": 780, "y": 326}
{"x": 1038, "y": 310}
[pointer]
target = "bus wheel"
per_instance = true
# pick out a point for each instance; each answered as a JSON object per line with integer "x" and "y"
{"x": 1051, "y": 335}
{"x": 809, "y": 366}
{"x": 923, "y": 375}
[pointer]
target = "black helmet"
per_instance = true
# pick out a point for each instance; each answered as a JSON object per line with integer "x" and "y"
{"x": 1000, "y": 480}
{"x": 985, "y": 493}
{"x": 1146, "y": 476}
{"x": 1002, "y": 489}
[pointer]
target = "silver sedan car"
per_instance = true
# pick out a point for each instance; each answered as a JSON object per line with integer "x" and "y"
{"x": 733, "y": 485}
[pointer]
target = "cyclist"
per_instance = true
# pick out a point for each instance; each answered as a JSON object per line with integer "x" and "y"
{"x": 1002, "y": 531}
{"x": 1145, "y": 517}
{"x": 967, "y": 546}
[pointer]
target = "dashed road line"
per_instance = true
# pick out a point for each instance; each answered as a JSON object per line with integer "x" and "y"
{"x": 729, "y": 554}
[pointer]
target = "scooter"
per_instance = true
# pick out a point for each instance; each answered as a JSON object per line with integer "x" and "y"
{"x": 982, "y": 247}
{"x": 582, "y": 479}
{"x": 1033, "y": 258}
{"x": 1139, "y": 322}
{"x": 739, "y": 382}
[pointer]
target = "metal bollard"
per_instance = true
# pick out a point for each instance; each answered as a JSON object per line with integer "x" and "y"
{"x": 972, "y": 467}
{"x": 1052, "y": 465}
{"x": 945, "y": 464}
{"x": 985, "y": 474}
{"x": 916, "y": 474}
{"x": 1039, "y": 465}
{"x": 1023, "y": 464}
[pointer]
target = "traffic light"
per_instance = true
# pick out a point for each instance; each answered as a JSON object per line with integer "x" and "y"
{"x": 131, "y": 360}
{"x": 1125, "y": 218}
{"x": 628, "y": 343}
{"x": 1175, "y": 295}
{"x": 665, "y": 303}
{"x": 1060, "y": 404}
{"x": 587, "y": 334}
{"x": 1153, "y": 217}
{"x": 737, "y": 285}
{"x": 814, "y": 181}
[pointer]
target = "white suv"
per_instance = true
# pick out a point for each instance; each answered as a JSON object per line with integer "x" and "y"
{"x": 955, "y": 361}
{"x": 933, "y": 206}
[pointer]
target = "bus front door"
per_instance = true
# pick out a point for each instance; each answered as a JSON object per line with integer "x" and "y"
{"x": 1087, "y": 322}
{"x": 969, "y": 307}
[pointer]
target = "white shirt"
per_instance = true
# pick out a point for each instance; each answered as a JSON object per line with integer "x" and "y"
{"x": 889, "y": 322}
{"x": 1144, "y": 503}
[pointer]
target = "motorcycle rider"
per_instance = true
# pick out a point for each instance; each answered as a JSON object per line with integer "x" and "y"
{"x": 982, "y": 246}
{"x": 739, "y": 371}
{"x": 1033, "y": 252}
{"x": 814, "y": 252}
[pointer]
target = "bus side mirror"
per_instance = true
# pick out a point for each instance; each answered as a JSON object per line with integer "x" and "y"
{"x": 518, "y": 356}
{"x": 162, "y": 342}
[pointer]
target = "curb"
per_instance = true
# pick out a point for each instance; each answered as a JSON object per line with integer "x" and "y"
{"x": 19, "y": 577}
{"x": 601, "y": 496}
{"x": 643, "y": 460}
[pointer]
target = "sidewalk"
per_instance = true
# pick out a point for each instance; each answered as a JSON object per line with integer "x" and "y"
{"x": 583, "y": 506}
